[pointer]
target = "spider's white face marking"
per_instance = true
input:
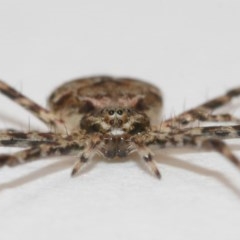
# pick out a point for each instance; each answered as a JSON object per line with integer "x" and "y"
{"x": 112, "y": 117}
{"x": 117, "y": 132}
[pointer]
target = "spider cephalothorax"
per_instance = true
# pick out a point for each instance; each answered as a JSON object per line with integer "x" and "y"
{"x": 113, "y": 117}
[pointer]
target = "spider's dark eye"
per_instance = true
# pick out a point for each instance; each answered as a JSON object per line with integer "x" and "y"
{"x": 111, "y": 112}
{"x": 119, "y": 112}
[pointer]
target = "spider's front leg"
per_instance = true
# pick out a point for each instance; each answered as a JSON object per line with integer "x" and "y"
{"x": 41, "y": 145}
{"x": 92, "y": 147}
{"x": 147, "y": 155}
{"x": 211, "y": 138}
{"x": 140, "y": 144}
{"x": 14, "y": 138}
{"x": 115, "y": 146}
{"x": 41, "y": 113}
{"x": 38, "y": 152}
{"x": 204, "y": 112}
{"x": 200, "y": 138}
{"x": 219, "y": 146}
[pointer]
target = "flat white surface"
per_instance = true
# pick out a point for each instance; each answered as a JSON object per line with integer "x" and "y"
{"x": 188, "y": 48}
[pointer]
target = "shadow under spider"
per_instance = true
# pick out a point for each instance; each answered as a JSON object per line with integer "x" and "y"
{"x": 175, "y": 162}
{"x": 45, "y": 171}
{"x": 159, "y": 158}
{"x": 162, "y": 158}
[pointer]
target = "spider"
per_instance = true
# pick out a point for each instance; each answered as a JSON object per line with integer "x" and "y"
{"x": 114, "y": 117}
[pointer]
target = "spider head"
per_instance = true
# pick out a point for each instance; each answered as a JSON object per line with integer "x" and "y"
{"x": 115, "y": 121}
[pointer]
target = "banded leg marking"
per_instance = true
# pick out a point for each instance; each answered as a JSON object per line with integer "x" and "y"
{"x": 194, "y": 138}
{"x": 92, "y": 148}
{"x": 12, "y": 138}
{"x": 223, "y": 132}
{"x": 38, "y": 152}
{"x": 204, "y": 112}
{"x": 41, "y": 113}
{"x": 221, "y": 147}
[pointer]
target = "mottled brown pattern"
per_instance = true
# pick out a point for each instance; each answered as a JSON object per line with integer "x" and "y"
{"x": 114, "y": 117}
{"x": 76, "y": 98}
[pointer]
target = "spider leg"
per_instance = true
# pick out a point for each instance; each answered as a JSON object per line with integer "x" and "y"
{"x": 204, "y": 112}
{"x": 211, "y": 138}
{"x": 41, "y": 113}
{"x": 139, "y": 144}
{"x": 36, "y": 152}
{"x": 214, "y": 144}
{"x": 12, "y": 138}
{"x": 205, "y": 138}
{"x": 93, "y": 146}
{"x": 221, "y": 132}
{"x": 221, "y": 147}
{"x": 147, "y": 156}
{"x": 84, "y": 158}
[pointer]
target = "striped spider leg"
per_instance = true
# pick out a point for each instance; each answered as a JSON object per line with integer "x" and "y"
{"x": 204, "y": 112}
{"x": 209, "y": 138}
{"x": 41, "y": 113}
{"x": 38, "y": 144}
{"x": 114, "y": 117}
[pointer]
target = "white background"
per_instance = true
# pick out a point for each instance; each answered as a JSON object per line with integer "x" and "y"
{"x": 191, "y": 49}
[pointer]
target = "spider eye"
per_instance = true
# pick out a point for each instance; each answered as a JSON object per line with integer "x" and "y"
{"x": 119, "y": 112}
{"x": 111, "y": 112}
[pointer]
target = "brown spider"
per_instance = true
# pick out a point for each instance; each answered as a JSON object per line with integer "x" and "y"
{"x": 113, "y": 117}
